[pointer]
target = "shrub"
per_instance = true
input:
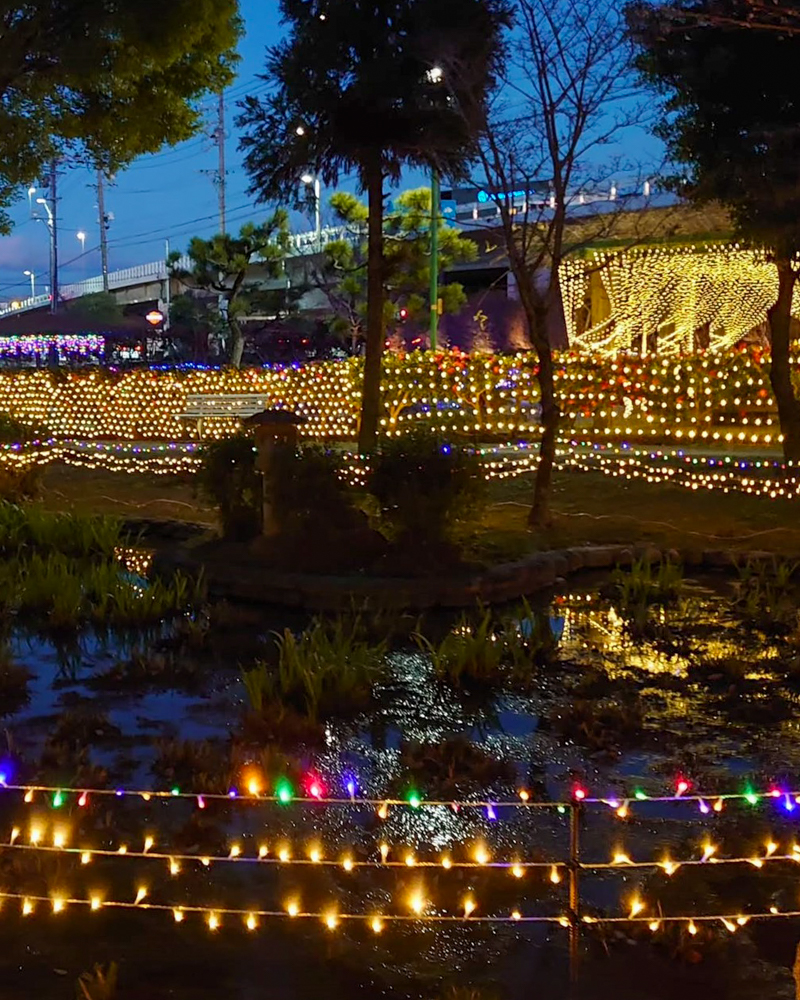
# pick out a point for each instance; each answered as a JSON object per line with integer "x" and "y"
{"x": 228, "y": 477}
{"x": 305, "y": 488}
{"x": 328, "y": 668}
{"x": 424, "y": 487}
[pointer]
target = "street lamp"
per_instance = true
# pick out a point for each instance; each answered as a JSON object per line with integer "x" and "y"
{"x": 51, "y": 225}
{"x": 311, "y": 179}
{"x": 82, "y": 237}
{"x": 32, "y": 276}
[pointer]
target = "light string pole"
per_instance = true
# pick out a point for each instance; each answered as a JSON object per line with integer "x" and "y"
{"x": 574, "y": 891}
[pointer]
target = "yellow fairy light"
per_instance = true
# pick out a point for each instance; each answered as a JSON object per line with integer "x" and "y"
{"x": 771, "y": 848}
{"x": 331, "y": 921}
{"x": 141, "y": 892}
{"x": 59, "y": 839}
{"x": 622, "y": 812}
{"x": 524, "y": 794}
{"x": 620, "y": 858}
{"x": 213, "y": 921}
{"x": 315, "y": 855}
{"x": 28, "y": 797}
{"x": 383, "y": 810}
{"x": 636, "y": 907}
{"x": 14, "y": 834}
{"x": 86, "y": 857}
{"x": 96, "y": 902}
{"x": 410, "y": 860}
{"x": 347, "y": 863}
{"x": 741, "y": 921}
{"x": 692, "y": 927}
{"x": 253, "y": 787}
{"x": 756, "y": 862}
{"x": 516, "y": 915}
{"x": 235, "y": 851}
{"x": 148, "y": 843}
{"x": 654, "y": 925}
{"x": 384, "y": 849}
{"x": 376, "y": 924}
{"x": 27, "y": 907}
{"x": 469, "y": 906}
{"x": 416, "y": 902}
{"x": 284, "y": 854}
{"x": 36, "y": 835}
{"x": 292, "y": 908}
{"x": 174, "y": 867}
{"x": 58, "y": 904}
{"x": 517, "y": 871}
{"x": 447, "y": 861}
{"x": 564, "y": 921}
{"x": 251, "y": 923}
{"x": 555, "y": 877}
{"x": 481, "y": 855}
{"x": 123, "y": 849}
{"x": 177, "y": 913}
{"x": 205, "y": 861}
{"x": 670, "y": 867}
{"x": 262, "y": 851}
{"x": 709, "y": 850}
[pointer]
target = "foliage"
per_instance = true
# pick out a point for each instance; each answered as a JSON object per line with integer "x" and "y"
{"x": 13, "y": 683}
{"x": 13, "y": 431}
{"x": 492, "y": 652}
{"x": 648, "y": 583}
{"x": 101, "y": 84}
{"x": 329, "y": 668}
{"x": 766, "y": 593}
{"x": 97, "y": 308}
{"x": 424, "y": 487}
{"x": 222, "y": 265}
{"x": 343, "y": 275}
{"x": 449, "y": 768}
{"x": 354, "y": 91}
{"x": 739, "y": 145}
{"x": 228, "y": 477}
{"x": 598, "y": 725}
{"x": 306, "y": 487}
{"x": 100, "y": 984}
{"x": 30, "y": 528}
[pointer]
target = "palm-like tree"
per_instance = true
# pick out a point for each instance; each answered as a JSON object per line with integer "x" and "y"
{"x": 357, "y": 87}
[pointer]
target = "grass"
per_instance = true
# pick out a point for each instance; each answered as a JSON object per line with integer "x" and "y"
{"x": 328, "y": 668}
{"x": 590, "y": 508}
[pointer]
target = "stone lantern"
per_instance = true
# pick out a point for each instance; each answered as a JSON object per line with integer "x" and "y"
{"x": 275, "y": 430}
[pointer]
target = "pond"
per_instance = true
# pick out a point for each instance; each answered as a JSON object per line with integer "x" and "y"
{"x": 620, "y": 697}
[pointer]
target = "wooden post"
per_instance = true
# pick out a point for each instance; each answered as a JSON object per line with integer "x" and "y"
{"x": 574, "y": 893}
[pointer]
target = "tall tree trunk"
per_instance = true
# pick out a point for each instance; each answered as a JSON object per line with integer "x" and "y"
{"x": 237, "y": 342}
{"x": 540, "y": 515}
{"x": 371, "y": 398}
{"x": 780, "y": 319}
{"x": 536, "y": 311}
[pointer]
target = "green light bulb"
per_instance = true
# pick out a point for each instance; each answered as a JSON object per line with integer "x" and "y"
{"x": 58, "y": 800}
{"x": 284, "y": 791}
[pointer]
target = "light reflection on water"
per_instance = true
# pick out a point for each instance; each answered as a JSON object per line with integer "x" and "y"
{"x": 683, "y": 721}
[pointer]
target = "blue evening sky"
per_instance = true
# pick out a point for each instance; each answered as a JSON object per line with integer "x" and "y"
{"x": 166, "y": 195}
{"x": 169, "y": 195}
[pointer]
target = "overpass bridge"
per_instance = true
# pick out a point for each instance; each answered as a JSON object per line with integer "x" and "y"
{"x": 149, "y": 282}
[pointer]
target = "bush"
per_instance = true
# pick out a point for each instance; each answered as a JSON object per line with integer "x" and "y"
{"x": 305, "y": 489}
{"x": 425, "y": 488}
{"x": 228, "y": 477}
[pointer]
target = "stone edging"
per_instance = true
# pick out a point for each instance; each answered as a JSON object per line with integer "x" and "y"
{"x": 506, "y": 582}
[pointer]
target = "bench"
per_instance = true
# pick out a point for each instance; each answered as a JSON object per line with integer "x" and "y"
{"x": 234, "y": 406}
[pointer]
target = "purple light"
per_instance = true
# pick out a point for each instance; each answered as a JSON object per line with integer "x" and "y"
{"x": 788, "y": 804}
{"x": 3, "y": 778}
{"x": 232, "y": 793}
{"x": 351, "y": 787}
{"x": 119, "y": 793}
{"x": 490, "y": 813}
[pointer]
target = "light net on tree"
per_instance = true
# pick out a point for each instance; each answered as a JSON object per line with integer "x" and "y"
{"x": 668, "y": 300}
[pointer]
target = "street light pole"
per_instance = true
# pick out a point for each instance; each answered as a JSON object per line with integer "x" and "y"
{"x": 51, "y": 226}
{"x": 32, "y": 276}
{"x": 435, "y": 198}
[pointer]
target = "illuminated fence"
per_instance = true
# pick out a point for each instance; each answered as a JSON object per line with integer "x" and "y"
{"x": 521, "y": 863}
{"x": 724, "y": 398}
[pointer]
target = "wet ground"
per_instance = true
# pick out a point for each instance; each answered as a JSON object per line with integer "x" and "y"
{"x": 624, "y": 703}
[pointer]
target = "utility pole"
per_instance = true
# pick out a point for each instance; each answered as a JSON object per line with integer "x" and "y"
{"x": 221, "y": 167}
{"x": 104, "y": 221}
{"x": 54, "y": 237}
{"x": 435, "y": 198}
{"x": 167, "y": 286}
